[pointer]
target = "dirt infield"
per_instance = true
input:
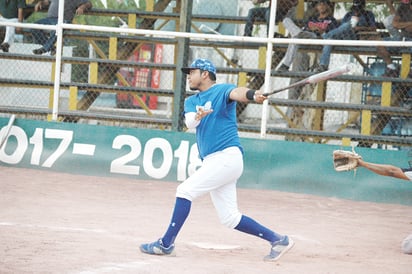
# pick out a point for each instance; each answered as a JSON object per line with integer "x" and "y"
{"x": 62, "y": 223}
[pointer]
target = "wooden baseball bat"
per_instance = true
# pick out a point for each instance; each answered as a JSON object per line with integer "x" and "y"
{"x": 315, "y": 78}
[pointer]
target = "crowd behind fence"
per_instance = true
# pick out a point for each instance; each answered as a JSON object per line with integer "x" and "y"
{"x": 121, "y": 67}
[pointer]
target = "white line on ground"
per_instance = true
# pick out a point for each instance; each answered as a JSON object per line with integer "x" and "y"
{"x": 304, "y": 239}
{"x": 114, "y": 267}
{"x": 214, "y": 246}
{"x": 58, "y": 228}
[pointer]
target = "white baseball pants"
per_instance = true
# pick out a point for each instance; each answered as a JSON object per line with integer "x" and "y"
{"x": 218, "y": 176}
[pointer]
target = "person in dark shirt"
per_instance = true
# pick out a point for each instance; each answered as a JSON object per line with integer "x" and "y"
{"x": 402, "y": 21}
{"x": 10, "y": 11}
{"x": 263, "y": 13}
{"x": 71, "y": 8}
{"x": 357, "y": 19}
{"x": 316, "y": 25}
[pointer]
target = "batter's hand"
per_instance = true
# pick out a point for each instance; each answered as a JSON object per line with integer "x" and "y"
{"x": 259, "y": 97}
{"x": 201, "y": 112}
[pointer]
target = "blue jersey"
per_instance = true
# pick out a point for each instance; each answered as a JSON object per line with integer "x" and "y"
{"x": 218, "y": 130}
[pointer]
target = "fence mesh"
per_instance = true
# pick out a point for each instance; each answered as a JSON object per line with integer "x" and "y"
{"x": 125, "y": 79}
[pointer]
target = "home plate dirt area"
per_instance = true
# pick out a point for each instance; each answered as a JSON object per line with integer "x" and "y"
{"x": 63, "y": 223}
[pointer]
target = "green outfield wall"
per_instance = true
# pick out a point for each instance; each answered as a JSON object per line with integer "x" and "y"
{"x": 143, "y": 154}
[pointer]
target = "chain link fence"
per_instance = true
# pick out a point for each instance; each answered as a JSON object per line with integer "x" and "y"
{"x": 111, "y": 75}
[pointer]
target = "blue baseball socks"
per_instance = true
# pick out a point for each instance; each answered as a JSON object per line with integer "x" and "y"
{"x": 180, "y": 213}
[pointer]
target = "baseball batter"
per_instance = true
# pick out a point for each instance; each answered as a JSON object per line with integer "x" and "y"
{"x": 212, "y": 112}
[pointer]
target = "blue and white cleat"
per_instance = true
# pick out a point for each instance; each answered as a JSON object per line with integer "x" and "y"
{"x": 279, "y": 248}
{"x": 157, "y": 248}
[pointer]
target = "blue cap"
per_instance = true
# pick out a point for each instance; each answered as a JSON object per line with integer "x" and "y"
{"x": 202, "y": 64}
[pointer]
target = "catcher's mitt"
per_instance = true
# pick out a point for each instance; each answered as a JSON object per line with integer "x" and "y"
{"x": 345, "y": 160}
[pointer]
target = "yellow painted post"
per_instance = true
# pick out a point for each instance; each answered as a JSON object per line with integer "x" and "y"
{"x": 131, "y": 20}
{"x": 113, "y": 48}
{"x": 320, "y": 97}
{"x": 406, "y": 65}
{"x": 300, "y": 9}
{"x": 281, "y": 28}
{"x": 262, "y": 58}
{"x": 242, "y": 79}
{"x": 150, "y": 5}
{"x": 94, "y": 71}
{"x": 366, "y": 122}
{"x": 51, "y": 93}
{"x": 73, "y": 92}
{"x": 386, "y": 94}
{"x": 346, "y": 142}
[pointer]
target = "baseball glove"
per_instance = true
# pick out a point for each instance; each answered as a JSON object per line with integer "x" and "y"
{"x": 345, "y": 160}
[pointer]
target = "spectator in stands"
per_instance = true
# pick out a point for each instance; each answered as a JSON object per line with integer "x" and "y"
{"x": 321, "y": 23}
{"x": 71, "y": 8}
{"x": 205, "y": 8}
{"x": 11, "y": 11}
{"x": 263, "y": 13}
{"x": 387, "y": 22}
{"x": 402, "y": 21}
{"x": 356, "y": 20}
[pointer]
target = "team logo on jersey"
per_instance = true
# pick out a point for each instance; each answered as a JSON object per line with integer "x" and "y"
{"x": 206, "y": 107}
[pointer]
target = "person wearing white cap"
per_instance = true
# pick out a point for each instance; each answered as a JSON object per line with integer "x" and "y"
{"x": 212, "y": 112}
